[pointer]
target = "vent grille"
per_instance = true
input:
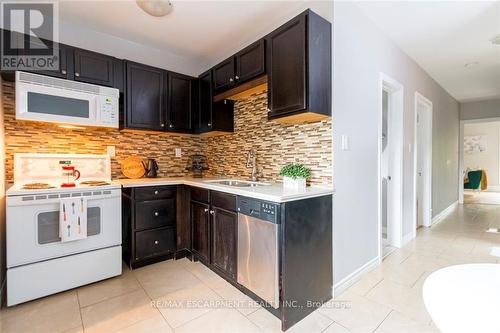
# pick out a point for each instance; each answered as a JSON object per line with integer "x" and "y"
{"x": 48, "y": 81}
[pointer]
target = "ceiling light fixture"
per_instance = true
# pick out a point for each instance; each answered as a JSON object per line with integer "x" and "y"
{"x": 157, "y": 8}
{"x": 495, "y": 40}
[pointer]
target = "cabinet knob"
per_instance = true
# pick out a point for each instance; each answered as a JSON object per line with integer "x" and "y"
{"x": 156, "y": 192}
{"x": 171, "y": 126}
{"x": 205, "y": 210}
{"x": 209, "y": 124}
{"x": 156, "y": 213}
{"x": 237, "y": 77}
{"x": 77, "y": 74}
{"x": 268, "y": 110}
{"x": 231, "y": 79}
{"x": 212, "y": 212}
{"x": 162, "y": 125}
{"x": 157, "y": 242}
{"x": 63, "y": 71}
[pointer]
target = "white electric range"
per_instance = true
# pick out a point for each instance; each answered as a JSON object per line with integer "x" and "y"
{"x": 38, "y": 262}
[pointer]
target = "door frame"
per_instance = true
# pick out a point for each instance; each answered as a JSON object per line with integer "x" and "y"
{"x": 461, "y": 152}
{"x": 396, "y": 120}
{"x": 427, "y": 221}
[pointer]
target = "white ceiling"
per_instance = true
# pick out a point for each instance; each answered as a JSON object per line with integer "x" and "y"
{"x": 442, "y": 36}
{"x": 202, "y": 32}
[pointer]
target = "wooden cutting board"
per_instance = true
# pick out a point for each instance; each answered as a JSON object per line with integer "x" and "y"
{"x": 132, "y": 167}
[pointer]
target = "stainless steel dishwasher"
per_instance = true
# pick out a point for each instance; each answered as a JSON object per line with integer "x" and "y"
{"x": 258, "y": 256}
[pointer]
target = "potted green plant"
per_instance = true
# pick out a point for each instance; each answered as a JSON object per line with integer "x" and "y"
{"x": 294, "y": 176}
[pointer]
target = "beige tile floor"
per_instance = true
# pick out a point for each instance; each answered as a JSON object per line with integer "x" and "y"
{"x": 182, "y": 296}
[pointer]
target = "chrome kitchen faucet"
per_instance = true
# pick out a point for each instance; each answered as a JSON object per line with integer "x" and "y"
{"x": 252, "y": 163}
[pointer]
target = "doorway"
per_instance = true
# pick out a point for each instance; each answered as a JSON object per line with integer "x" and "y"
{"x": 480, "y": 161}
{"x": 390, "y": 165}
{"x": 423, "y": 162}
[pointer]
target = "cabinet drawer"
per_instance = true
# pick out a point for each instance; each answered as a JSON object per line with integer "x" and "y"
{"x": 199, "y": 194}
{"x": 154, "y": 192}
{"x": 155, "y": 242}
{"x": 223, "y": 200}
{"x": 154, "y": 214}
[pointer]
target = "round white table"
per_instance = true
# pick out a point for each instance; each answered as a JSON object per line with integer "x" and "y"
{"x": 464, "y": 298}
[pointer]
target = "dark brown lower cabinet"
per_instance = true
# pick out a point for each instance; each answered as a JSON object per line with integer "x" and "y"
{"x": 149, "y": 224}
{"x": 224, "y": 237}
{"x": 214, "y": 224}
{"x": 200, "y": 221}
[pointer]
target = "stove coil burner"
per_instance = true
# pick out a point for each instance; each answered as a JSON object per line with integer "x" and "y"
{"x": 37, "y": 186}
{"x": 94, "y": 183}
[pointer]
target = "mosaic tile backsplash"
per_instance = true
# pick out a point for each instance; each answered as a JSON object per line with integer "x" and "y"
{"x": 276, "y": 144}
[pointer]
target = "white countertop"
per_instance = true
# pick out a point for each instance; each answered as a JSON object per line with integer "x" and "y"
{"x": 273, "y": 192}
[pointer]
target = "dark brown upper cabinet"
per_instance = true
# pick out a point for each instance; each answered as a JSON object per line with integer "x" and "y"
{"x": 179, "y": 102}
{"x": 145, "y": 94}
{"x": 299, "y": 69}
{"x": 244, "y": 66}
{"x": 92, "y": 67}
{"x": 212, "y": 116}
{"x": 205, "y": 91}
{"x": 223, "y": 75}
{"x": 63, "y": 53}
{"x": 250, "y": 62}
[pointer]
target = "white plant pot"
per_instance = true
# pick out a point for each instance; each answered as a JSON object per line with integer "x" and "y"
{"x": 298, "y": 184}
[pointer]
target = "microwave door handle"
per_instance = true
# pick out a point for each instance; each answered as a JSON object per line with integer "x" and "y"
{"x": 97, "y": 106}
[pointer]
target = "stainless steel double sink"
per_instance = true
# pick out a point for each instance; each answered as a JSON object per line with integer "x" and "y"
{"x": 237, "y": 183}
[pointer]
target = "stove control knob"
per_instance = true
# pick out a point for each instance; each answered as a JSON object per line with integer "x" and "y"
{"x": 156, "y": 192}
{"x": 157, "y": 242}
{"x": 156, "y": 213}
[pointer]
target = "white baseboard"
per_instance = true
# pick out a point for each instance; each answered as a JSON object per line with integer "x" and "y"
{"x": 493, "y": 188}
{"x": 445, "y": 212}
{"x": 408, "y": 237}
{"x": 354, "y": 277}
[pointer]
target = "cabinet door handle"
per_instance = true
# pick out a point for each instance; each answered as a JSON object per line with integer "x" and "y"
{"x": 63, "y": 71}
{"x": 205, "y": 210}
{"x": 156, "y": 214}
{"x": 156, "y": 192}
{"x": 212, "y": 212}
{"x": 77, "y": 74}
{"x": 157, "y": 242}
{"x": 237, "y": 77}
{"x": 231, "y": 79}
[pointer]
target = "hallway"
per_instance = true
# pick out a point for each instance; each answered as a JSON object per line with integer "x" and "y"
{"x": 389, "y": 299}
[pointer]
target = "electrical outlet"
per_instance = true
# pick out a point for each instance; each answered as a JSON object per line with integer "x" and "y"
{"x": 178, "y": 152}
{"x": 111, "y": 151}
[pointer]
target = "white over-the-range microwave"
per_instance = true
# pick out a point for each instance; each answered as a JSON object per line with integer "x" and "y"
{"x": 44, "y": 98}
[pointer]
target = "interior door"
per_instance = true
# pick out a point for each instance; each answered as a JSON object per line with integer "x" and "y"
{"x": 385, "y": 167}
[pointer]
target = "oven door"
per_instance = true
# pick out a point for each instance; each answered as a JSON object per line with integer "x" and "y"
{"x": 33, "y": 226}
{"x": 54, "y": 104}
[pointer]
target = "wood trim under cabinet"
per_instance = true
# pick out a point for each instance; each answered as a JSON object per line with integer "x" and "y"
{"x": 244, "y": 90}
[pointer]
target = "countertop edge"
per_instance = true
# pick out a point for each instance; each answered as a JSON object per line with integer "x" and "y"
{"x": 318, "y": 190}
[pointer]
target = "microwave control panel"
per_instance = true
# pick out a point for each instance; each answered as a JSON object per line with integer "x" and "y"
{"x": 109, "y": 110}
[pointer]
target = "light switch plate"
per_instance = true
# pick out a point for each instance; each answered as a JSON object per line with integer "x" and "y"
{"x": 344, "y": 139}
{"x": 178, "y": 152}
{"x": 111, "y": 151}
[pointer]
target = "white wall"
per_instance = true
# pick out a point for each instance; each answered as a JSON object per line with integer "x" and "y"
{"x": 480, "y": 109}
{"x": 361, "y": 52}
{"x": 488, "y": 160}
